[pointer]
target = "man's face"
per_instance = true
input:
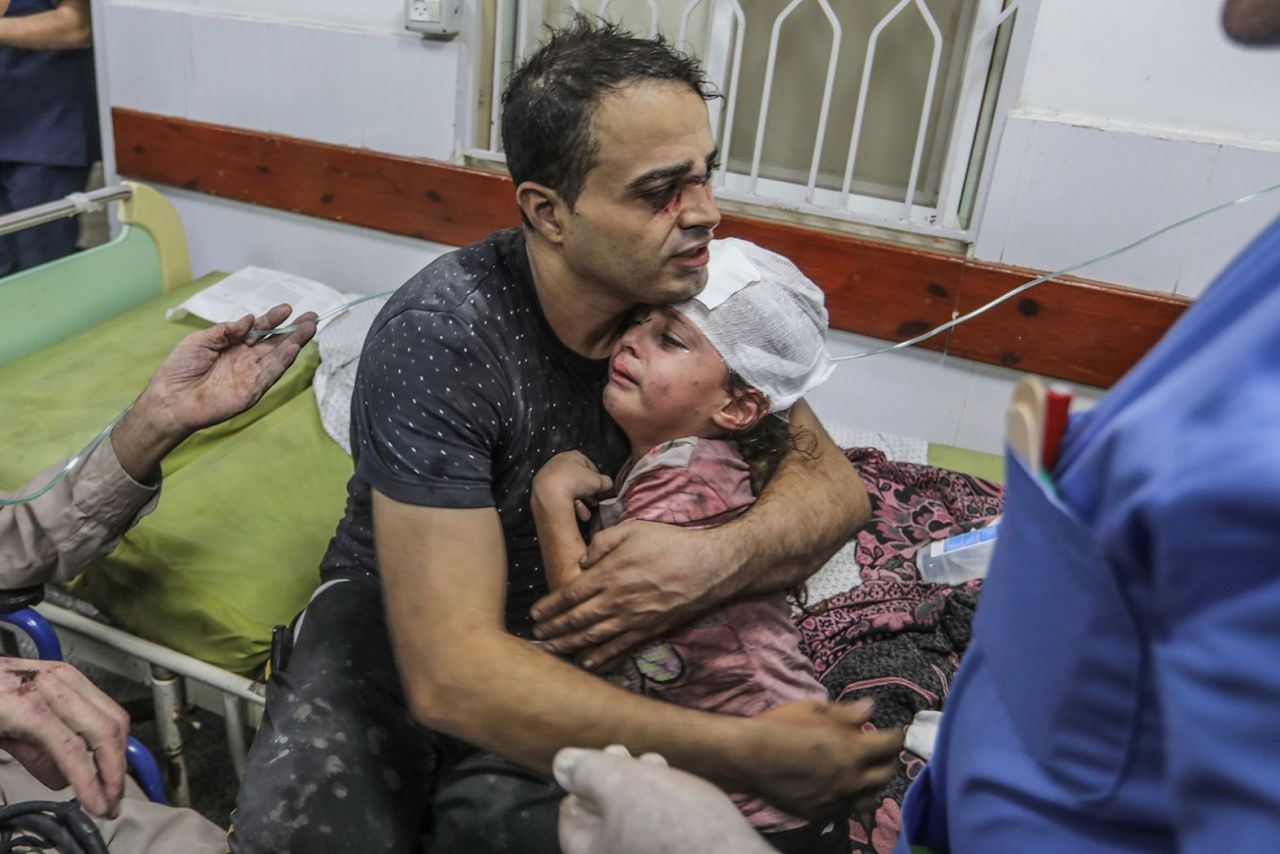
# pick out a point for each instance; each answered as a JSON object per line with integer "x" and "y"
{"x": 640, "y": 227}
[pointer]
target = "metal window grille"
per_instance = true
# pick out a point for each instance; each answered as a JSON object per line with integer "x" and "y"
{"x": 870, "y": 112}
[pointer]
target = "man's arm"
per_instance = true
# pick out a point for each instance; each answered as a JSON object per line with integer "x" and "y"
{"x": 647, "y": 578}
{"x": 68, "y": 27}
{"x": 444, "y": 577}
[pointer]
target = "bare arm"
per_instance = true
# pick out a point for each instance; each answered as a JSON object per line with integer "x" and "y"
{"x": 558, "y": 492}
{"x": 68, "y": 27}
{"x": 561, "y": 544}
{"x": 648, "y": 578}
{"x": 443, "y": 572}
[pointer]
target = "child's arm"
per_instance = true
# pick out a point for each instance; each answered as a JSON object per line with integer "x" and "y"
{"x": 558, "y": 490}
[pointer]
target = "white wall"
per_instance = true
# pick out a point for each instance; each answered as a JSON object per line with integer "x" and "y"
{"x": 1154, "y": 64}
{"x": 329, "y": 70}
{"x": 1131, "y": 115}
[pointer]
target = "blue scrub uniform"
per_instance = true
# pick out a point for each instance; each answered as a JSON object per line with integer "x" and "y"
{"x": 1122, "y": 692}
{"x": 48, "y": 140}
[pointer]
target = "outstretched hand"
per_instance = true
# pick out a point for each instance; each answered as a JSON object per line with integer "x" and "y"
{"x": 210, "y": 376}
{"x": 220, "y": 372}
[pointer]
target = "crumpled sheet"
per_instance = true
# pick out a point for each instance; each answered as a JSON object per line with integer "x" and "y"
{"x": 340, "y": 345}
{"x": 894, "y": 637}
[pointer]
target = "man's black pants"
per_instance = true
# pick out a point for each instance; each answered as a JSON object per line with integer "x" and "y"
{"x": 340, "y": 765}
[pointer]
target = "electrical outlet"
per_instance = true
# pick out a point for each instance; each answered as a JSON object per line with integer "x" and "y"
{"x": 438, "y": 19}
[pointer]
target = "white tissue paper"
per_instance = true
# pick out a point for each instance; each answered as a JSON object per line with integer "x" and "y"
{"x": 254, "y": 290}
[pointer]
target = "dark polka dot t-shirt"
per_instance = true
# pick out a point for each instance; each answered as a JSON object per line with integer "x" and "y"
{"x": 463, "y": 392}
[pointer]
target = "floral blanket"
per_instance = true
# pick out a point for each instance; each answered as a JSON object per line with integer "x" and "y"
{"x": 894, "y": 637}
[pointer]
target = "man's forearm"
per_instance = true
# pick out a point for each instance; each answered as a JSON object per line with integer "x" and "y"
{"x": 813, "y": 505}
{"x": 143, "y": 438}
{"x": 68, "y": 27}
{"x": 527, "y": 704}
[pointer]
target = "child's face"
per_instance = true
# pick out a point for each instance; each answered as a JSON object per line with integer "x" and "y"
{"x": 666, "y": 381}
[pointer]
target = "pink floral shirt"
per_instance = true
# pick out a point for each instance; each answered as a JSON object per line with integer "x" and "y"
{"x": 741, "y": 659}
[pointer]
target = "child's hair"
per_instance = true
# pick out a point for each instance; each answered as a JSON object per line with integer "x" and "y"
{"x": 763, "y": 446}
{"x": 765, "y": 443}
{"x": 768, "y": 322}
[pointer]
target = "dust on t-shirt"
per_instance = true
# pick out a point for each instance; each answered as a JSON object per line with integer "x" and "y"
{"x": 462, "y": 394}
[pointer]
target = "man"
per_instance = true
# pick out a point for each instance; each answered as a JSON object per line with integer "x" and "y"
{"x": 49, "y": 116}
{"x": 53, "y": 722}
{"x": 1121, "y": 692}
{"x": 477, "y": 371}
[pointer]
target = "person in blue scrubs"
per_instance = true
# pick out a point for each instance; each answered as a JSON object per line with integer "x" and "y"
{"x": 1122, "y": 691}
{"x": 49, "y": 136}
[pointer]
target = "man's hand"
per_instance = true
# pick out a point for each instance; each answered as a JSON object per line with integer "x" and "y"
{"x": 64, "y": 731}
{"x": 220, "y": 372}
{"x": 569, "y": 478}
{"x": 646, "y": 578}
{"x": 209, "y": 377}
{"x": 819, "y": 760}
{"x": 619, "y": 805}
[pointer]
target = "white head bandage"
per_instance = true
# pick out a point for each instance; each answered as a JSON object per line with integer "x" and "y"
{"x": 765, "y": 318}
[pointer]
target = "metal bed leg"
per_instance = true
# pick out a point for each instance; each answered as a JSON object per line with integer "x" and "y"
{"x": 166, "y": 691}
{"x": 233, "y": 715}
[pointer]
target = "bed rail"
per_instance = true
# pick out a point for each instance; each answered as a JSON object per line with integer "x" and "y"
{"x": 73, "y": 205}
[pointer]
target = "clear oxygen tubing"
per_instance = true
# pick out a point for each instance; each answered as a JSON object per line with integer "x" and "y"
{"x": 79, "y": 458}
{"x": 956, "y": 321}
{"x": 340, "y": 310}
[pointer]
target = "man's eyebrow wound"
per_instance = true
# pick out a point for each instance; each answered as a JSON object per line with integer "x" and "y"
{"x": 675, "y": 171}
{"x": 661, "y": 174}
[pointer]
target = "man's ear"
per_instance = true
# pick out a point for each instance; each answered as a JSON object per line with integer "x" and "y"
{"x": 742, "y": 411}
{"x": 543, "y": 209}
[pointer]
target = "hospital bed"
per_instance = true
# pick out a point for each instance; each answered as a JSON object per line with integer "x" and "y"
{"x": 187, "y": 602}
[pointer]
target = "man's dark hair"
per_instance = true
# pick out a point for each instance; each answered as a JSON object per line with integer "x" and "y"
{"x": 549, "y": 100}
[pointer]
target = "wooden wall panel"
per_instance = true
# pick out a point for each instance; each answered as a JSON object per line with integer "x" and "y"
{"x": 1078, "y": 330}
{"x": 1072, "y": 329}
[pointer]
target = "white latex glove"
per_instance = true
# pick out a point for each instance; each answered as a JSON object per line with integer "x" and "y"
{"x": 620, "y": 805}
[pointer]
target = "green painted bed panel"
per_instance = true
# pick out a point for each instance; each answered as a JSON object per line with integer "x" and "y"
{"x": 989, "y": 466}
{"x": 47, "y": 303}
{"x": 247, "y": 508}
{"x": 234, "y": 546}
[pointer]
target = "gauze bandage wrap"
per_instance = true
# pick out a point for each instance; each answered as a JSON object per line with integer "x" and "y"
{"x": 765, "y": 318}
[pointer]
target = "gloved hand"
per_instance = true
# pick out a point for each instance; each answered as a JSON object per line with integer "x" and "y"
{"x": 620, "y": 805}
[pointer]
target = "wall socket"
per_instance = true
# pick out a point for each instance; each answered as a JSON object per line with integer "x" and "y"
{"x": 435, "y": 19}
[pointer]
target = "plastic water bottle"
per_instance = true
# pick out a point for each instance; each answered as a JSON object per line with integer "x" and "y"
{"x": 958, "y": 559}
